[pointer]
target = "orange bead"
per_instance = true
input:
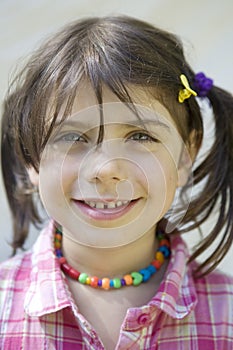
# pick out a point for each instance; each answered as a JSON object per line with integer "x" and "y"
{"x": 160, "y": 257}
{"x": 164, "y": 242}
{"x": 94, "y": 281}
{"x": 58, "y": 236}
{"x": 128, "y": 280}
{"x": 105, "y": 283}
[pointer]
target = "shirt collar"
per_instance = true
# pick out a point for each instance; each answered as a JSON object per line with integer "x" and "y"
{"x": 48, "y": 292}
{"x": 177, "y": 294}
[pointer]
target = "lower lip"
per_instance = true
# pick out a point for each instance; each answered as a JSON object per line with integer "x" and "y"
{"x": 104, "y": 214}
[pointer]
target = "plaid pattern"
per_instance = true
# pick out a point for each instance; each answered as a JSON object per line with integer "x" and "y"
{"x": 38, "y": 312}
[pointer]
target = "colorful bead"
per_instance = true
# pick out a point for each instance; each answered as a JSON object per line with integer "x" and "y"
{"x": 88, "y": 280}
{"x": 117, "y": 283}
{"x": 74, "y": 273}
{"x": 146, "y": 274}
{"x": 152, "y": 269}
{"x": 123, "y": 283}
{"x": 165, "y": 250}
{"x": 105, "y": 283}
{"x": 128, "y": 280}
{"x": 58, "y": 236}
{"x": 57, "y": 244}
{"x": 157, "y": 264}
{"x": 165, "y": 242}
{"x": 94, "y": 281}
{"x": 135, "y": 278}
{"x": 62, "y": 260}
{"x": 65, "y": 268}
{"x": 83, "y": 277}
{"x": 99, "y": 283}
{"x": 159, "y": 256}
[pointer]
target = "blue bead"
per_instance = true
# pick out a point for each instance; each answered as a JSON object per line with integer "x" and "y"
{"x": 165, "y": 250}
{"x": 146, "y": 274}
{"x": 58, "y": 253}
{"x": 152, "y": 269}
{"x": 111, "y": 283}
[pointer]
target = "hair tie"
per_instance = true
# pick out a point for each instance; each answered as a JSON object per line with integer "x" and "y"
{"x": 187, "y": 91}
{"x": 202, "y": 84}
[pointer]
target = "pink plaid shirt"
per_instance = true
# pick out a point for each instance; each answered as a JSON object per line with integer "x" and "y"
{"x": 37, "y": 310}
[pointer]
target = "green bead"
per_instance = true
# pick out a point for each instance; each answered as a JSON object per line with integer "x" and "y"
{"x": 117, "y": 283}
{"x": 82, "y": 278}
{"x": 137, "y": 278}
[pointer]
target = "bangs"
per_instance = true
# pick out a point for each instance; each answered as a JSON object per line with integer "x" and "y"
{"x": 110, "y": 52}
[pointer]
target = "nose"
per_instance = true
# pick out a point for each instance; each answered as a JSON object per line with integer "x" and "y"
{"x": 103, "y": 167}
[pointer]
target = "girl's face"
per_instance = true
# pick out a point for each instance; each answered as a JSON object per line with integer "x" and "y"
{"x": 113, "y": 193}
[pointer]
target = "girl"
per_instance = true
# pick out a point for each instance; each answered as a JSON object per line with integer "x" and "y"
{"x": 105, "y": 122}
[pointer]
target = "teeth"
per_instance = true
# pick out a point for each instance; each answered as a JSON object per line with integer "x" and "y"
{"x": 99, "y": 205}
{"x": 106, "y": 205}
{"x": 91, "y": 204}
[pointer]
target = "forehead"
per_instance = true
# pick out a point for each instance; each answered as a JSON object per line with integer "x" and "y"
{"x": 145, "y": 108}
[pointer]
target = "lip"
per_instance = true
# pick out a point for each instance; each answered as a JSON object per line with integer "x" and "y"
{"x": 104, "y": 214}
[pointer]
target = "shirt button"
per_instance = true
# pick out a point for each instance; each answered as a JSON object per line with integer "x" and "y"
{"x": 143, "y": 319}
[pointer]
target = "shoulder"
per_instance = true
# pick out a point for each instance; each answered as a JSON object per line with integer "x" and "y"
{"x": 14, "y": 275}
{"x": 10, "y": 267}
{"x": 215, "y": 282}
{"x": 215, "y": 297}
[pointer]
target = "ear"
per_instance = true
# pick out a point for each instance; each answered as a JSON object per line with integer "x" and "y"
{"x": 33, "y": 176}
{"x": 187, "y": 157}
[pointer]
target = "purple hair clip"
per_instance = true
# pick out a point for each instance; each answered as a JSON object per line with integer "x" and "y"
{"x": 202, "y": 84}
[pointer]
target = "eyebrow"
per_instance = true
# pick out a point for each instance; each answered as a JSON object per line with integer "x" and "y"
{"x": 126, "y": 123}
{"x": 141, "y": 122}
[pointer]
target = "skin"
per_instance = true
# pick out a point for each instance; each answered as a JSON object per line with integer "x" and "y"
{"x": 145, "y": 163}
{"x": 142, "y": 163}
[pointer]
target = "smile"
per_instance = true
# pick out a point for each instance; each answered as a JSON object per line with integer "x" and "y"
{"x": 105, "y": 210}
{"x": 108, "y": 205}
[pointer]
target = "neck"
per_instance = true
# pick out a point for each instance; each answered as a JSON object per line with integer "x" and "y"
{"x": 110, "y": 262}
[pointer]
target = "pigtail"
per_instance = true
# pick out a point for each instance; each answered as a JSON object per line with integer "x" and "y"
{"x": 217, "y": 168}
{"x": 19, "y": 189}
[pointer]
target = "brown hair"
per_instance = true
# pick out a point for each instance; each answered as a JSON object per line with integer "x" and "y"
{"x": 117, "y": 52}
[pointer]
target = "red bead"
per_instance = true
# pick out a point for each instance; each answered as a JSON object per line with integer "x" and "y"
{"x": 62, "y": 260}
{"x": 73, "y": 273}
{"x": 66, "y": 268}
{"x": 164, "y": 242}
{"x": 157, "y": 264}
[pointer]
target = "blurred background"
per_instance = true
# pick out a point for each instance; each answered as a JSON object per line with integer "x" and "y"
{"x": 205, "y": 27}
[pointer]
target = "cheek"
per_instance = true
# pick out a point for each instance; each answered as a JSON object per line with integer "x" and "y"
{"x": 161, "y": 180}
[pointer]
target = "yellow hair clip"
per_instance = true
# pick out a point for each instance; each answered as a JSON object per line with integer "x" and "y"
{"x": 187, "y": 92}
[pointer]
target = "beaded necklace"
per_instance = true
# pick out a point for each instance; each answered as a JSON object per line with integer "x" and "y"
{"x": 134, "y": 278}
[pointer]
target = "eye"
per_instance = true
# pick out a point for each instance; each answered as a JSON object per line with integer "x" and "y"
{"x": 71, "y": 137}
{"x": 142, "y": 137}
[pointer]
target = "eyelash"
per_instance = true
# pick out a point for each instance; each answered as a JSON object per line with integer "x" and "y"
{"x": 143, "y": 134}
{"x": 77, "y": 138}
{"x": 136, "y": 137}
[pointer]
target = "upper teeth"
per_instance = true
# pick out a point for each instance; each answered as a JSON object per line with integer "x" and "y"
{"x": 106, "y": 205}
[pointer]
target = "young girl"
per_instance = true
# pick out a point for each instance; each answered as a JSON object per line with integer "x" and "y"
{"x": 105, "y": 123}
